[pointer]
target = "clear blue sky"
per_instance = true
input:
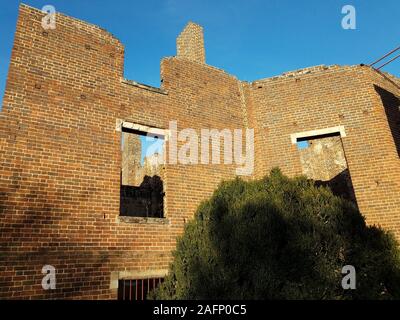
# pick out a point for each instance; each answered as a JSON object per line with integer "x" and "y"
{"x": 251, "y": 39}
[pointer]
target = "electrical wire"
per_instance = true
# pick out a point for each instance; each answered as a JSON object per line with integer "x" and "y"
{"x": 386, "y": 55}
{"x": 388, "y": 62}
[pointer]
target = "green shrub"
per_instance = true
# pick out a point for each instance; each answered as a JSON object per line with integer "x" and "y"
{"x": 280, "y": 238}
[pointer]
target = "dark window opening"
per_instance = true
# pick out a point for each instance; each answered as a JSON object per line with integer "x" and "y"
{"x": 137, "y": 289}
{"x": 142, "y": 191}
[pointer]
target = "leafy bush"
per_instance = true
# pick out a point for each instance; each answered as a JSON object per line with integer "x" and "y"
{"x": 280, "y": 238}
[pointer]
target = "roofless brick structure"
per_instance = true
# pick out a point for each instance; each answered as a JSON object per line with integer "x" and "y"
{"x": 67, "y": 107}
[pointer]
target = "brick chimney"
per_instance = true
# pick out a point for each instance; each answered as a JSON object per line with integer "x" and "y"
{"x": 190, "y": 43}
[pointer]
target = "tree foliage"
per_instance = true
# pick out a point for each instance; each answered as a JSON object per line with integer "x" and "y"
{"x": 280, "y": 238}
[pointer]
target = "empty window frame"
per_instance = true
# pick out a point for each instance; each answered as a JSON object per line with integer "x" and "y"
{"x": 142, "y": 189}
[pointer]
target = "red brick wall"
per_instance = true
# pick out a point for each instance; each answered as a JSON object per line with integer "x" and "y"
{"x": 60, "y": 158}
{"x": 60, "y": 151}
{"x": 322, "y": 97}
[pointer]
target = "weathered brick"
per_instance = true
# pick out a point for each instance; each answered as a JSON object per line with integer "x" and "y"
{"x": 60, "y": 151}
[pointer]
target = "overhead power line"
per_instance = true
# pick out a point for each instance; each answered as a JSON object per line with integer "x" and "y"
{"x": 388, "y": 62}
{"x": 385, "y": 56}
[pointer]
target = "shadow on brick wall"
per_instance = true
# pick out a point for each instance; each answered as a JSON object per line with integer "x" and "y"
{"x": 391, "y": 103}
{"x": 341, "y": 185}
{"x": 36, "y": 231}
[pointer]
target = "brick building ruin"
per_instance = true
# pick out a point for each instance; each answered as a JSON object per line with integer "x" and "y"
{"x": 64, "y": 176}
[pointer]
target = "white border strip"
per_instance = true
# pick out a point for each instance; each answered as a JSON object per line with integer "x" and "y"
{"x": 320, "y": 132}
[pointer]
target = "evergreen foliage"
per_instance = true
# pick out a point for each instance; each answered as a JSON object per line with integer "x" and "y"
{"x": 280, "y": 238}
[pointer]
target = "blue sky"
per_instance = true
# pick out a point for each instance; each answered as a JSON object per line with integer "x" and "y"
{"x": 150, "y": 145}
{"x": 251, "y": 39}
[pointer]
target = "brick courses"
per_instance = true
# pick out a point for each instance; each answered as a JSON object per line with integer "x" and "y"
{"x": 60, "y": 150}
